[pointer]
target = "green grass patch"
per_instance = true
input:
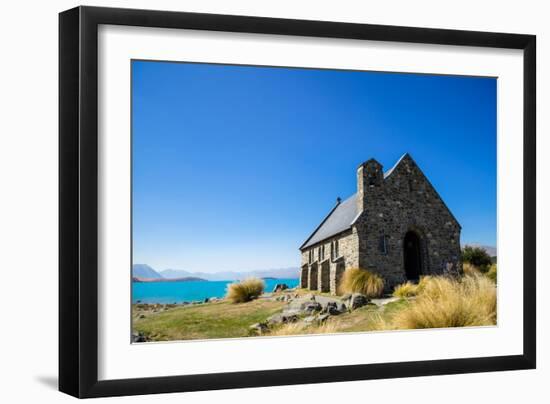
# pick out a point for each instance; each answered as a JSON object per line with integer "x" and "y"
{"x": 210, "y": 320}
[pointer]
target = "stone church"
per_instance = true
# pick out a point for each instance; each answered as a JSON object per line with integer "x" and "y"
{"x": 396, "y": 225}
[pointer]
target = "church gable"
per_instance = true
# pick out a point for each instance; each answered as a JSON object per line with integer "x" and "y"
{"x": 407, "y": 183}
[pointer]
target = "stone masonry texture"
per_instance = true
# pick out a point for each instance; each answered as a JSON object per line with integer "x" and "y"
{"x": 389, "y": 206}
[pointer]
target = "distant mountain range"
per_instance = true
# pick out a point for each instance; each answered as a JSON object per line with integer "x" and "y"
{"x": 143, "y": 272}
{"x": 185, "y": 279}
{"x": 492, "y": 251}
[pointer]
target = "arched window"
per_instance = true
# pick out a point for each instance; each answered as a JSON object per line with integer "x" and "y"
{"x": 334, "y": 249}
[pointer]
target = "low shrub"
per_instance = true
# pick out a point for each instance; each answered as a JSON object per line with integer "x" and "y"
{"x": 407, "y": 289}
{"x": 356, "y": 280}
{"x": 492, "y": 273}
{"x": 245, "y": 291}
{"x": 478, "y": 257}
{"x": 449, "y": 302}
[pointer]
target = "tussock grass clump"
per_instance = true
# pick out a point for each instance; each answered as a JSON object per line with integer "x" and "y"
{"x": 245, "y": 291}
{"x": 449, "y": 302}
{"x": 356, "y": 280}
{"x": 470, "y": 270}
{"x": 407, "y": 289}
{"x": 300, "y": 328}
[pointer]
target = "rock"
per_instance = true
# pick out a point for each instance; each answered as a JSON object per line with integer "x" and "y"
{"x": 310, "y": 319}
{"x": 142, "y": 316}
{"x": 139, "y": 337}
{"x": 259, "y": 328}
{"x": 206, "y": 300}
{"x": 292, "y": 312}
{"x": 358, "y": 300}
{"x": 323, "y": 317}
{"x": 341, "y": 307}
{"x": 311, "y": 307}
{"x": 334, "y": 310}
{"x": 280, "y": 287}
{"x": 282, "y": 318}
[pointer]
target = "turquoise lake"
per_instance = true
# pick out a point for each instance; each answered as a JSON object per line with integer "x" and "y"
{"x": 177, "y": 292}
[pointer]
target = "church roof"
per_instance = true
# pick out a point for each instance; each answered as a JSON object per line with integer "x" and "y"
{"x": 340, "y": 218}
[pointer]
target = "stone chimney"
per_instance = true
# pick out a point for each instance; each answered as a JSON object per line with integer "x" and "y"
{"x": 369, "y": 177}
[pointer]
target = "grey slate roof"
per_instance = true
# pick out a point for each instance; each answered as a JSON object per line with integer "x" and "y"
{"x": 341, "y": 217}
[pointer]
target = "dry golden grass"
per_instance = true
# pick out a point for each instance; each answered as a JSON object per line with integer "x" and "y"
{"x": 448, "y": 302}
{"x": 470, "y": 269}
{"x": 245, "y": 291}
{"x": 407, "y": 289}
{"x": 300, "y": 328}
{"x": 356, "y": 280}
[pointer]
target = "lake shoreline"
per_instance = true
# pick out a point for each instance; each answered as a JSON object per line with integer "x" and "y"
{"x": 192, "y": 292}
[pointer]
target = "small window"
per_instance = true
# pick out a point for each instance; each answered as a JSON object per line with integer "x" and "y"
{"x": 383, "y": 244}
{"x": 372, "y": 179}
{"x": 410, "y": 185}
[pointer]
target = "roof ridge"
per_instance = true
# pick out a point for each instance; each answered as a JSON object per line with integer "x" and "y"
{"x": 390, "y": 171}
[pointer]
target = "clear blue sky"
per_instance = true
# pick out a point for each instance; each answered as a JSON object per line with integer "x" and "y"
{"x": 234, "y": 166}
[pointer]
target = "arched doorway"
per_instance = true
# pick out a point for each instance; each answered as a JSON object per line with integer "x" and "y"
{"x": 412, "y": 256}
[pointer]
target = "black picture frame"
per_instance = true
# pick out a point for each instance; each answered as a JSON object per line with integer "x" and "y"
{"x": 78, "y": 201}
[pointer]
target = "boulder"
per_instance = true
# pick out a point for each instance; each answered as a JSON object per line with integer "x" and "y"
{"x": 292, "y": 312}
{"x": 334, "y": 310}
{"x": 139, "y": 337}
{"x": 258, "y": 328}
{"x": 358, "y": 300}
{"x": 282, "y": 318}
{"x": 280, "y": 287}
{"x": 341, "y": 307}
{"x": 311, "y": 307}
